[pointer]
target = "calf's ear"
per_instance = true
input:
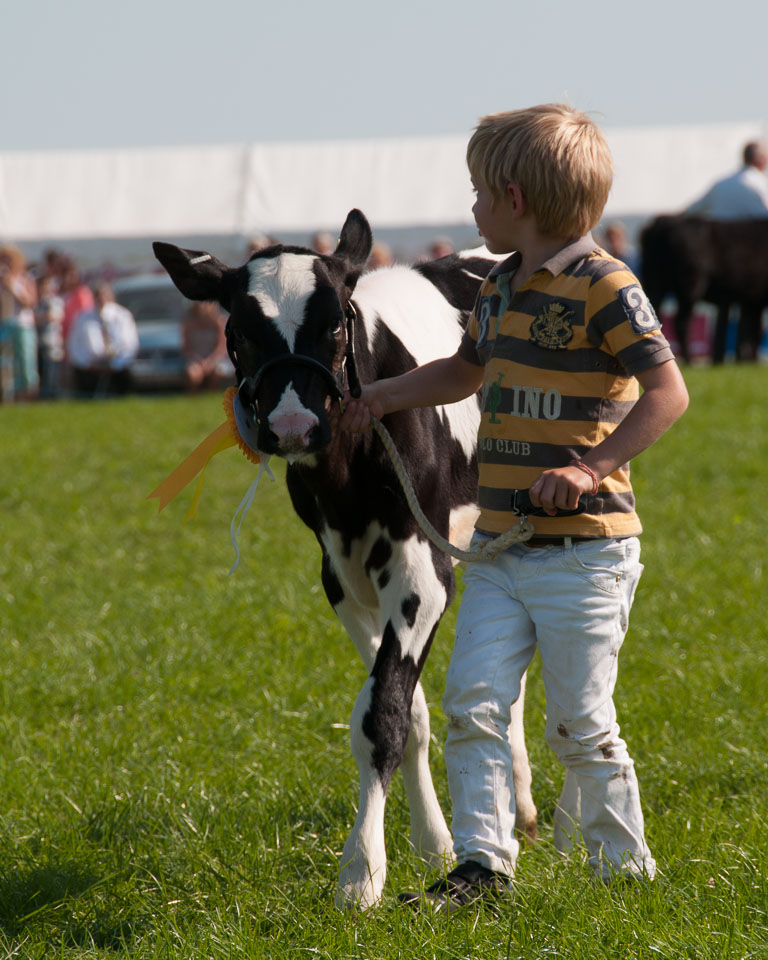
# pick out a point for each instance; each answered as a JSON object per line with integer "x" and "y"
{"x": 196, "y": 273}
{"x": 355, "y": 244}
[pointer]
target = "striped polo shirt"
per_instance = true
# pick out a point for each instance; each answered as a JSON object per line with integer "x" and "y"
{"x": 560, "y": 360}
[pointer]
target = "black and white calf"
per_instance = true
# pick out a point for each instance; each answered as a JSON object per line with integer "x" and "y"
{"x": 295, "y": 335}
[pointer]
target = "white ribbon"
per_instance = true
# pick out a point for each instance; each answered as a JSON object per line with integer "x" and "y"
{"x": 245, "y": 506}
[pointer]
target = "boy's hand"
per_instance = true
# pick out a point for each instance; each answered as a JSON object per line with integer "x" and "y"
{"x": 357, "y": 414}
{"x": 560, "y": 489}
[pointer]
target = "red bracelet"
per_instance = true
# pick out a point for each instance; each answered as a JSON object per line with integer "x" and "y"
{"x": 582, "y": 466}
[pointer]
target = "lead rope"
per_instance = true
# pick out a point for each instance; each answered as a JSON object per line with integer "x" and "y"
{"x": 485, "y": 551}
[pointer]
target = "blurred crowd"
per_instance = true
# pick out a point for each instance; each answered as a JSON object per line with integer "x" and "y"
{"x": 58, "y": 333}
{"x": 382, "y": 255}
{"x": 62, "y": 333}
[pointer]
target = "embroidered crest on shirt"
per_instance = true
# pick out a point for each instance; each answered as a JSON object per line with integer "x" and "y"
{"x": 638, "y": 309}
{"x": 552, "y": 329}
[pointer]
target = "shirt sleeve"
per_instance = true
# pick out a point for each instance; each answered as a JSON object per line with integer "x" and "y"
{"x": 621, "y": 320}
{"x": 468, "y": 346}
{"x": 468, "y": 349}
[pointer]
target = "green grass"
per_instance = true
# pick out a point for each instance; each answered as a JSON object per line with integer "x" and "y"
{"x": 176, "y": 777}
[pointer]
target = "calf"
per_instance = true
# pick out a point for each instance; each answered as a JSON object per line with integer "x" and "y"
{"x": 724, "y": 262}
{"x": 296, "y": 337}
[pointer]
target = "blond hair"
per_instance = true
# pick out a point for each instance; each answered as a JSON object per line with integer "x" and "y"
{"x": 556, "y": 155}
{"x": 13, "y": 257}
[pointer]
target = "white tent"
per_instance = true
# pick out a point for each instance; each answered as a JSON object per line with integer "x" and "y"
{"x": 240, "y": 189}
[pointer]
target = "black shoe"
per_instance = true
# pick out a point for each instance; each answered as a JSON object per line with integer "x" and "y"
{"x": 466, "y": 883}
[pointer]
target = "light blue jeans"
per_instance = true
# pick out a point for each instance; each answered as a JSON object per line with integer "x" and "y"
{"x": 572, "y": 602}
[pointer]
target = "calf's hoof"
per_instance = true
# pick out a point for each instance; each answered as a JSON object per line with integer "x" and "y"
{"x": 359, "y": 888}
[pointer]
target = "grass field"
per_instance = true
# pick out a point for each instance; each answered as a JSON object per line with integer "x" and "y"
{"x": 176, "y": 777}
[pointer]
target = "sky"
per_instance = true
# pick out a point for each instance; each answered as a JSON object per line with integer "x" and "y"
{"x": 85, "y": 74}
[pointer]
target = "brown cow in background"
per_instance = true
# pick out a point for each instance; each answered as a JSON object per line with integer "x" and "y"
{"x": 723, "y": 262}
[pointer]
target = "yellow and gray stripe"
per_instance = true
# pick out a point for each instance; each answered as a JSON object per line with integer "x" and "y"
{"x": 560, "y": 358}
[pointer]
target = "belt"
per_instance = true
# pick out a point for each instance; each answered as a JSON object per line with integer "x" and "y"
{"x": 556, "y": 541}
{"x": 562, "y": 541}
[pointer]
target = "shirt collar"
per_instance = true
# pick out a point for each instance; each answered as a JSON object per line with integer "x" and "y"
{"x": 569, "y": 254}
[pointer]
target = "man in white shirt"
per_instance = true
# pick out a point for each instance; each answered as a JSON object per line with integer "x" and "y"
{"x": 102, "y": 345}
{"x": 741, "y": 196}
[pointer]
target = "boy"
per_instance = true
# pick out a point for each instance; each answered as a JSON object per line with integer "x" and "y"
{"x": 559, "y": 339}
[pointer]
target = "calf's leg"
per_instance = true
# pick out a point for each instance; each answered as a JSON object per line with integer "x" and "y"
{"x": 380, "y": 726}
{"x": 390, "y": 721}
{"x": 430, "y": 835}
{"x": 364, "y": 857}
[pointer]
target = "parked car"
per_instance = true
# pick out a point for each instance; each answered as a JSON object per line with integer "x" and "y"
{"x": 158, "y": 308}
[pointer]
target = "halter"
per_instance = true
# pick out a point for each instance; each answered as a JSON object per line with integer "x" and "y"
{"x": 246, "y": 410}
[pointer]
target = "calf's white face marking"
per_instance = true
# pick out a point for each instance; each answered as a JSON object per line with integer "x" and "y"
{"x": 282, "y": 285}
{"x": 291, "y": 421}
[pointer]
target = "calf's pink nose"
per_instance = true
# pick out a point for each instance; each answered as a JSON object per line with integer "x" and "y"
{"x": 293, "y": 426}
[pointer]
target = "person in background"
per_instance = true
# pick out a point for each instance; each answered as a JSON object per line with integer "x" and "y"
{"x": 102, "y": 345}
{"x": 615, "y": 242}
{"x": 54, "y": 265}
{"x": 18, "y": 297}
{"x": 440, "y": 247}
{"x": 49, "y": 321}
{"x": 741, "y": 196}
{"x": 322, "y": 242}
{"x": 203, "y": 346}
{"x": 257, "y": 243}
{"x": 381, "y": 256}
{"x": 78, "y": 297}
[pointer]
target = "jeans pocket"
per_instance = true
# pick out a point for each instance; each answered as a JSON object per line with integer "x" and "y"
{"x": 602, "y": 563}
